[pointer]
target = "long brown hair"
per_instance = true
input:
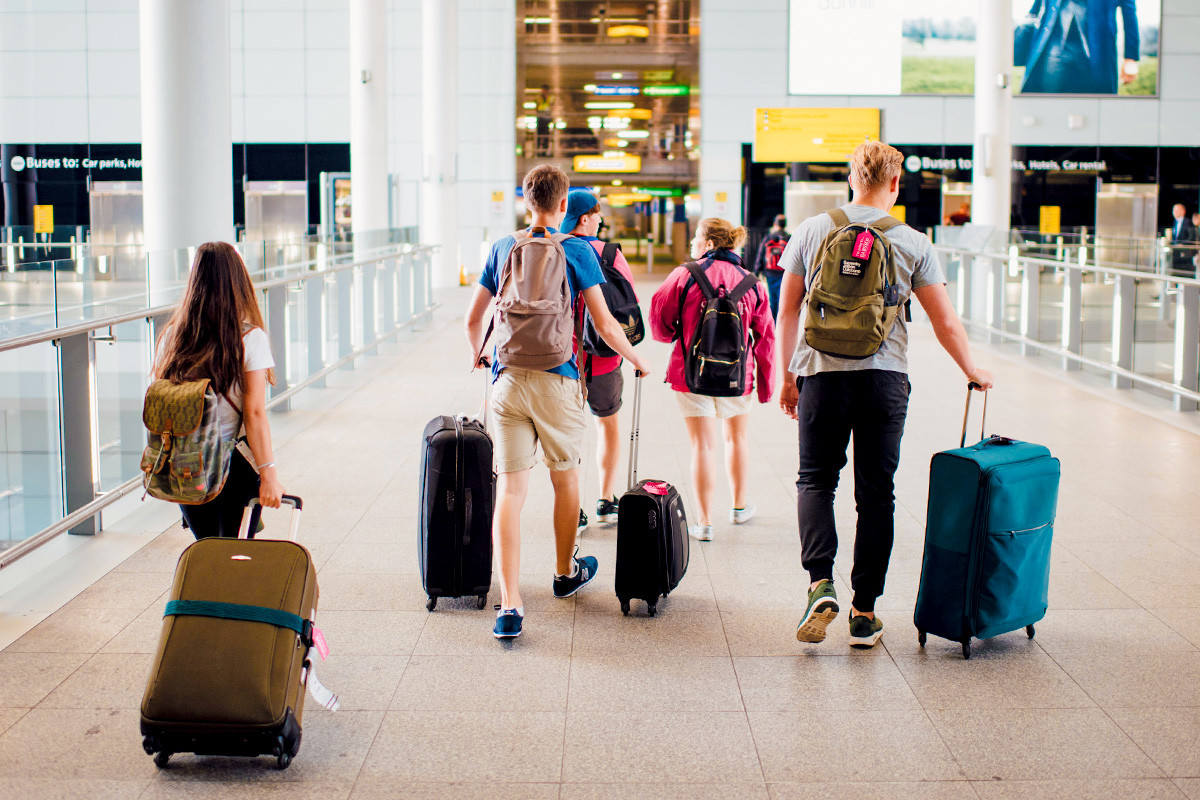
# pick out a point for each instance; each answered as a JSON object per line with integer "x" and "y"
{"x": 206, "y": 329}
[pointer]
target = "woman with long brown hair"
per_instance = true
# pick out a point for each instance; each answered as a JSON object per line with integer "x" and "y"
{"x": 217, "y": 333}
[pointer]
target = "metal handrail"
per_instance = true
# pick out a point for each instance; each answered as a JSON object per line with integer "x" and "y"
{"x": 1088, "y": 267}
{"x": 54, "y": 334}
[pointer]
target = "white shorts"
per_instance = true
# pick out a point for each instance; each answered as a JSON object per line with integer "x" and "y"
{"x": 698, "y": 405}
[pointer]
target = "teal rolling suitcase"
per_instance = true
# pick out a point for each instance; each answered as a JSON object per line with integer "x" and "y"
{"x": 989, "y": 524}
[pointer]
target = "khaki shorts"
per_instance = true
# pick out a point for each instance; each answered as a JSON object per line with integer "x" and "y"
{"x": 698, "y": 405}
{"x": 531, "y": 406}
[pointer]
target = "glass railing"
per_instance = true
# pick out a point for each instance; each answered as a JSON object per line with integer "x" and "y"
{"x": 1137, "y": 328}
{"x": 76, "y": 345}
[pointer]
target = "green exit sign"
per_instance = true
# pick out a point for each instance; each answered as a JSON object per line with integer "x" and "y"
{"x": 659, "y": 192}
{"x": 666, "y": 90}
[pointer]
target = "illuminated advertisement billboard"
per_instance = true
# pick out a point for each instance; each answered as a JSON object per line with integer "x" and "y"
{"x": 895, "y": 47}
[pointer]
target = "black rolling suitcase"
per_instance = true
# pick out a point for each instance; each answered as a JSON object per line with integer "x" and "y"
{"x": 652, "y": 538}
{"x": 458, "y": 489}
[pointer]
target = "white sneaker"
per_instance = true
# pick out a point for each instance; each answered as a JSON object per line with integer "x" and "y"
{"x": 701, "y": 533}
{"x": 739, "y": 515}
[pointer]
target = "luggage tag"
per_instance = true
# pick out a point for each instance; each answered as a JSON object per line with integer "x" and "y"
{"x": 319, "y": 692}
{"x": 319, "y": 643}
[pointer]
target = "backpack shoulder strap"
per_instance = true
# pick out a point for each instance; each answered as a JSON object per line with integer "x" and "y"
{"x": 697, "y": 273}
{"x": 559, "y": 238}
{"x": 840, "y": 220}
{"x": 748, "y": 282}
{"x": 886, "y": 223}
{"x": 609, "y": 255}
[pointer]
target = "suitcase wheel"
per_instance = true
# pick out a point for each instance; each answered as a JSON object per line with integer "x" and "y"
{"x": 430, "y": 605}
{"x": 284, "y": 760}
{"x": 148, "y": 745}
{"x": 482, "y": 601}
{"x": 966, "y": 647}
{"x": 921, "y": 638}
{"x": 1029, "y": 631}
{"x": 161, "y": 759}
{"x": 625, "y": 607}
{"x": 651, "y": 609}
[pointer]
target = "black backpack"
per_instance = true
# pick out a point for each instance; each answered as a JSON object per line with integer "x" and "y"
{"x": 714, "y": 364}
{"x": 622, "y": 303}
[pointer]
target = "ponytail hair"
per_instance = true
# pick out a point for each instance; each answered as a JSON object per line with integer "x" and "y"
{"x": 722, "y": 233}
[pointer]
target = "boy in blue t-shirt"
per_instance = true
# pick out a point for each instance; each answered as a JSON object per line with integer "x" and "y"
{"x": 529, "y": 407}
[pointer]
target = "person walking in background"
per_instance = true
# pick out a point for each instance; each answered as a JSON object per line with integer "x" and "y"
{"x": 1184, "y": 239}
{"x": 532, "y": 406}
{"x": 217, "y": 333}
{"x": 767, "y": 263}
{"x": 676, "y": 312}
{"x": 1071, "y": 47}
{"x": 836, "y": 397}
{"x": 605, "y": 382}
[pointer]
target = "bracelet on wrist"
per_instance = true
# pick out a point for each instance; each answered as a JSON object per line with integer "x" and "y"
{"x": 264, "y": 466}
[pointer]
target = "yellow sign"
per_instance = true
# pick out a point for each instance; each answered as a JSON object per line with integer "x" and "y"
{"x": 899, "y": 212}
{"x": 632, "y": 113}
{"x": 621, "y": 31}
{"x": 43, "y": 219}
{"x": 722, "y": 197}
{"x": 628, "y": 198}
{"x": 1049, "y": 219}
{"x": 497, "y": 197}
{"x": 812, "y": 135}
{"x": 628, "y": 163}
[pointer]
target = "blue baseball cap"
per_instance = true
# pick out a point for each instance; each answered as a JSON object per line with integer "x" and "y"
{"x": 579, "y": 202}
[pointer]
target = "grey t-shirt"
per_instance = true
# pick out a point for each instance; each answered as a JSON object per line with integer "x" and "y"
{"x": 917, "y": 265}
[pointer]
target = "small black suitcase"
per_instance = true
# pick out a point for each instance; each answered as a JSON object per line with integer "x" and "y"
{"x": 652, "y": 538}
{"x": 458, "y": 488}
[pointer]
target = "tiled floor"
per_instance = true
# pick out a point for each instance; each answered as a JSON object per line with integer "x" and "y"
{"x": 714, "y": 697}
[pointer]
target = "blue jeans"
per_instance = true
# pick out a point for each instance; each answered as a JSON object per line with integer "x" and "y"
{"x": 774, "y": 278}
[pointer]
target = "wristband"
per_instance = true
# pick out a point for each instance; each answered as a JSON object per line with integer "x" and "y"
{"x": 268, "y": 464}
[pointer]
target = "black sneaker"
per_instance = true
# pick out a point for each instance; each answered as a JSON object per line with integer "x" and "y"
{"x": 583, "y": 521}
{"x": 585, "y": 571}
{"x": 865, "y": 631}
{"x": 606, "y": 510}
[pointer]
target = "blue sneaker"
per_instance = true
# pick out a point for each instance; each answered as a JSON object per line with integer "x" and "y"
{"x": 508, "y": 623}
{"x": 585, "y": 571}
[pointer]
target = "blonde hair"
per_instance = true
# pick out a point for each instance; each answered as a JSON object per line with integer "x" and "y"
{"x": 874, "y": 164}
{"x": 722, "y": 233}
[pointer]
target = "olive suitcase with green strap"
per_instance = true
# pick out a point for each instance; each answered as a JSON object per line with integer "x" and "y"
{"x": 232, "y": 664}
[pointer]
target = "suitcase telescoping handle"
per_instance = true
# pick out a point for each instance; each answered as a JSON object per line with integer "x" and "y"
{"x": 637, "y": 421}
{"x": 972, "y": 386}
{"x": 292, "y": 500}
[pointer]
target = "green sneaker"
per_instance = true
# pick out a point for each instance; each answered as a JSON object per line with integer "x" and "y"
{"x": 822, "y": 609}
{"x": 865, "y": 632}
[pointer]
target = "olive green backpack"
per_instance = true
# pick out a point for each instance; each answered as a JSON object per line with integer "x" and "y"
{"x": 185, "y": 460}
{"x": 854, "y": 298}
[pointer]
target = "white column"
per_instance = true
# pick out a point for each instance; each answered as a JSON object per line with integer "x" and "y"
{"x": 991, "y": 176}
{"x": 368, "y": 117}
{"x": 187, "y": 139}
{"x": 439, "y": 136}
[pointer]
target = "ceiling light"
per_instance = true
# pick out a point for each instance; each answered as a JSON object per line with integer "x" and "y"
{"x": 590, "y": 87}
{"x": 607, "y": 104}
{"x": 617, "y": 183}
{"x": 634, "y": 134}
{"x": 622, "y": 143}
{"x": 531, "y": 105}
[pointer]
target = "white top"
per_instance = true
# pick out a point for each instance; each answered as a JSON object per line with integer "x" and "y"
{"x": 257, "y": 355}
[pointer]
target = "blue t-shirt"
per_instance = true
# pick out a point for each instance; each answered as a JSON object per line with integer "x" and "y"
{"x": 583, "y": 272}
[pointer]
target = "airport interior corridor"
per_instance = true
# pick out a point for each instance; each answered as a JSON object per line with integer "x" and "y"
{"x": 711, "y": 698}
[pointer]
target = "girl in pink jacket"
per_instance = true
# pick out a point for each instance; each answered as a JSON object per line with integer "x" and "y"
{"x": 675, "y": 311}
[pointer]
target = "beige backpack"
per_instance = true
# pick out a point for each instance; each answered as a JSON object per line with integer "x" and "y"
{"x": 534, "y": 320}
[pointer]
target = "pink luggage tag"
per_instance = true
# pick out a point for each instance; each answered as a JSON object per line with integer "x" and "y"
{"x": 863, "y": 244}
{"x": 657, "y": 487}
{"x": 319, "y": 643}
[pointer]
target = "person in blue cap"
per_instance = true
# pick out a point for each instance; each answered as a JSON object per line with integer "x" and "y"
{"x": 605, "y": 381}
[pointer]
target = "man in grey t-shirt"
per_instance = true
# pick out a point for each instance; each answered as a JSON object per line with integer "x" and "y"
{"x": 835, "y": 397}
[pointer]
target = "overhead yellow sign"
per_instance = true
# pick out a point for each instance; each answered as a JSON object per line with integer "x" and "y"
{"x": 899, "y": 212}
{"x": 43, "y": 219}
{"x": 627, "y": 163}
{"x": 812, "y": 135}
{"x": 1050, "y": 219}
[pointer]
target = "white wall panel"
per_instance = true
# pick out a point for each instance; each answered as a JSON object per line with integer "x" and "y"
{"x": 113, "y": 73}
{"x": 274, "y": 119}
{"x": 1051, "y": 126}
{"x": 1119, "y": 126}
{"x": 328, "y": 72}
{"x": 275, "y": 73}
{"x": 959, "y": 121}
{"x": 739, "y": 71}
{"x": 328, "y": 118}
{"x": 59, "y": 119}
{"x": 16, "y": 125}
{"x": 1179, "y": 123}
{"x": 112, "y": 31}
{"x": 914, "y": 119}
{"x": 762, "y": 30}
{"x": 1181, "y": 34}
{"x": 16, "y": 31}
{"x": 1180, "y": 78}
{"x": 58, "y": 74}
{"x": 16, "y": 74}
{"x": 59, "y": 32}
{"x": 273, "y": 30}
{"x": 1181, "y": 7}
{"x": 114, "y": 120}
{"x": 112, "y": 5}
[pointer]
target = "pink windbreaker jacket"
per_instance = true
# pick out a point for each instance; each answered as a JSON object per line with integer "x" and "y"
{"x": 722, "y": 267}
